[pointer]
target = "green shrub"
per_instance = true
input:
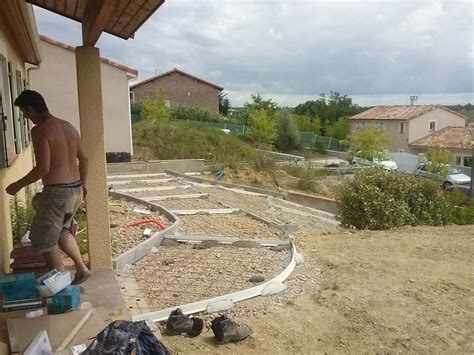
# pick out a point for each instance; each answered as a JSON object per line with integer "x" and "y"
{"x": 375, "y": 199}
{"x": 287, "y": 137}
{"x": 195, "y": 114}
{"x": 22, "y": 214}
{"x": 462, "y": 212}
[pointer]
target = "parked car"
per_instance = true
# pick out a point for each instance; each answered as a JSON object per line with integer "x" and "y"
{"x": 465, "y": 190}
{"x": 454, "y": 176}
{"x": 388, "y": 165}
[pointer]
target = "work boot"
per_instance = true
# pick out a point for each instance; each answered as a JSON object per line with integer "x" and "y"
{"x": 178, "y": 323}
{"x": 226, "y": 330}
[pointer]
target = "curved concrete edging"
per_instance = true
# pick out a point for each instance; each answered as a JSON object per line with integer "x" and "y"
{"x": 141, "y": 250}
{"x": 237, "y": 296}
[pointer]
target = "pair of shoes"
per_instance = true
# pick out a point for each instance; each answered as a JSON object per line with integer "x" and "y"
{"x": 178, "y": 323}
{"x": 226, "y": 330}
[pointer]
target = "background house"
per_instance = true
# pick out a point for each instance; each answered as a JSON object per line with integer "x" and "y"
{"x": 18, "y": 44}
{"x": 180, "y": 89}
{"x": 56, "y": 80}
{"x": 407, "y": 123}
{"x": 458, "y": 140}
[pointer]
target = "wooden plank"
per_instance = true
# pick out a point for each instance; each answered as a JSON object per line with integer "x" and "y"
{"x": 70, "y": 8}
{"x": 205, "y": 211}
{"x": 127, "y": 15}
{"x": 227, "y": 240}
{"x": 96, "y": 15}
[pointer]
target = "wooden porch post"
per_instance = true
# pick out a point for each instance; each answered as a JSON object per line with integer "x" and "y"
{"x": 89, "y": 88}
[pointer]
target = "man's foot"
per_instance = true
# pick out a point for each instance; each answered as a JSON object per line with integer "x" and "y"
{"x": 81, "y": 277}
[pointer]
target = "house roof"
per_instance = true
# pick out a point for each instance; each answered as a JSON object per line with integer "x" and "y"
{"x": 399, "y": 112}
{"x": 123, "y": 18}
{"x": 175, "y": 70}
{"x": 103, "y": 60}
{"x": 448, "y": 137}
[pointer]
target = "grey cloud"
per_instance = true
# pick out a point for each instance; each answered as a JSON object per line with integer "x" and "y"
{"x": 301, "y": 47}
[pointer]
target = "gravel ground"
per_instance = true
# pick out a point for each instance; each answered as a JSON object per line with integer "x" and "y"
{"x": 124, "y": 238}
{"x": 188, "y": 204}
{"x": 132, "y": 185}
{"x": 178, "y": 275}
{"x": 177, "y": 191}
{"x": 227, "y": 225}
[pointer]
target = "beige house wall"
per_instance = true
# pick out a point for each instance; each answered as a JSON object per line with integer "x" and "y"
{"x": 180, "y": 90}
{"x": 414, "y": 129}
{"x": 420, "y": 126}
{"x": 20, "y": 165}
{"x": 56, "y": 80}
{"x": 399, "y": 141}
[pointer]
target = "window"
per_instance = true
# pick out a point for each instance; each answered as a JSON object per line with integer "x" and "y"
{"x": 401, "y": 128}
{"x": 380, "y": 125}
{"x": 361, "y": 125}
{"x": 132, "y": 96}
{"x": 467, "y": 161}
{"x": 7, "y": 133}
{"x": 458, "y": 160}
{"x": 15, "y": 112}
{"x": 432, "y": 126}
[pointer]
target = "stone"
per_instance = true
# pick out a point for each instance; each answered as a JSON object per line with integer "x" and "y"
{"x": 281, "y": 247}
{"x": 219, "y": 306}
{"x": 273, "y": 288}
{"x": 299, "y": 259}
{"x": 169, "y": 242}
{"x": 168, "y": 261}
{"x": 256, "y": 279}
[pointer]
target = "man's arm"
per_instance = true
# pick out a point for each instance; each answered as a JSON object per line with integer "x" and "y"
{"x": 42, "y": 157}
{"x": 83, "y": 165}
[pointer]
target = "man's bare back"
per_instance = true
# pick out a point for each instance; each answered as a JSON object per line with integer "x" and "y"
{"x": 63, "y": 142}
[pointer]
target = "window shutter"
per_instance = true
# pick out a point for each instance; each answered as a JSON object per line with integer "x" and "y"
{"x": 21, "y": 118}
{"x": 15, "y": 118}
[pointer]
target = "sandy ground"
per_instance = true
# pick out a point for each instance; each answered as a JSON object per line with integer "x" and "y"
{"x": 409, "y": 290}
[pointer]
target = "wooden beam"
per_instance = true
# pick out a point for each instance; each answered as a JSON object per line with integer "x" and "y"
{"x": 96, "y": 16}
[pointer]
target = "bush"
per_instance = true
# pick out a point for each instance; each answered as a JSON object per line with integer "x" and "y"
{"x": 22, "y": 214}
{"x": 462, "y": 211}
{"x": 287, "y": 137}
{"x": 195, "y": 114}
{"x": 375, "y": 199}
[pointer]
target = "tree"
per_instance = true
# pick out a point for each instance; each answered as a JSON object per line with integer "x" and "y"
{"x": 258, "y": 103}
{"x": 262, "y": 129}
{"x": 338, "y": 129}
{"x": 154, "y": 109}
{"x": 369, "y": 143}
{"x": 307, "y": 123}
{"x": 224, "y": 104}
{"x": 437, "y": 160}
{"x": 286, "y": 136}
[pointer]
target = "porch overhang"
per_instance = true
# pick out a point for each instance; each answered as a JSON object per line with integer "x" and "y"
{"x": 121, "y": 18}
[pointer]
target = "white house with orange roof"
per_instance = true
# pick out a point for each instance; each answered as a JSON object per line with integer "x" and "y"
{"x": 407, "y": 123}
{"x": 56, "y": 80}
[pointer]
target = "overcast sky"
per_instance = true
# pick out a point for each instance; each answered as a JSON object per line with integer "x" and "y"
{"x": 294, "y": 50}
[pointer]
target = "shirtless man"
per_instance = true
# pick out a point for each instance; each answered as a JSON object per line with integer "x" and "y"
{"x": 58, "y": 150}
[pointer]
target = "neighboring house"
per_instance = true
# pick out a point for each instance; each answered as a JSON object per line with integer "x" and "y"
{"x": 56, "y": 80}
{"x": 458, "y": 140}
{"x": 18, "y": 44}
{"x": 407, "y": 123}
{"x": 180, "y": 89}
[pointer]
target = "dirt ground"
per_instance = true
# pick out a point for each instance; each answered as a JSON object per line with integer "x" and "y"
{"x": 409, "y": 290}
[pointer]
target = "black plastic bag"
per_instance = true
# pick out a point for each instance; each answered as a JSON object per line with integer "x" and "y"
{"x": 121, "y": 337}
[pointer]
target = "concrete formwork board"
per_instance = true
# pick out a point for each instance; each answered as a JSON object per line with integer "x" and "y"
{"x": 147, "y": 181}
{"x": 156, "y": 166}
{"x": 131, "y": 256}
{"x": 133, "y": 176}
{"x": 205, "y": 211}
{"x": 238, "y": 296}
{"x": 152, "y": 188}
{"x": 174, "y": 197}
{"x": 226, "y": 240}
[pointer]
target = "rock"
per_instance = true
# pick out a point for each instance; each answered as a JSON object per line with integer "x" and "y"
{"x": 206, "y": 244}
{"x": 219, "y": 306}
{"x": 168, "y": 261}
{"x": 256, "y": 279}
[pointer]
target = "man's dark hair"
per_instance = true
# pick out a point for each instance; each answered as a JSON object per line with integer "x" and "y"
{"x": 33, "y": 99}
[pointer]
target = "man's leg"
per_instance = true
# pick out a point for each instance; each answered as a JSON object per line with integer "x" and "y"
{"x": 54, "y": 259}
{"x": 68, "y": 244}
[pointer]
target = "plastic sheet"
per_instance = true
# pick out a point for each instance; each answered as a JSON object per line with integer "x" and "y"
{"x": 121, "y": 337}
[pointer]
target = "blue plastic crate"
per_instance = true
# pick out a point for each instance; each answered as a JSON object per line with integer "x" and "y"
{"x": 21, "y": 295}
{"x": 66, "y": 299}
{"x": 17, "y": 282}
